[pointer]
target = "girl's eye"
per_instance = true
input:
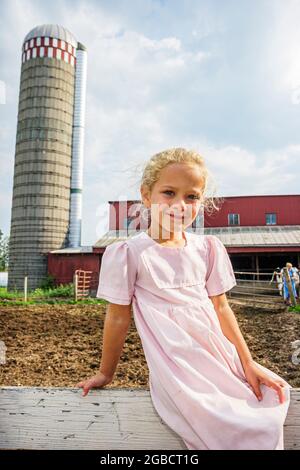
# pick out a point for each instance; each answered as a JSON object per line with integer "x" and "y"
{"x": 194, "y": 196}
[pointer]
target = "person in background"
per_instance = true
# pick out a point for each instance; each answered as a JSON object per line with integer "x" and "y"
{"x": 297, "y": 280}
{"x": 278, "y": 276}
{"x": 293, "y": 276}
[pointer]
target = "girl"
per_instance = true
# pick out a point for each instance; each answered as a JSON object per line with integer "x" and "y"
{"x": 203, "y": 380}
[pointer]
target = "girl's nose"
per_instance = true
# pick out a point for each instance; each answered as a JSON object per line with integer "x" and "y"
{"x": 180, "y": 206}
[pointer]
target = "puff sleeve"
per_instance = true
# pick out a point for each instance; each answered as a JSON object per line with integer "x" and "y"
{"x": 117, "y": 274}
{"x": 220, "y": 277}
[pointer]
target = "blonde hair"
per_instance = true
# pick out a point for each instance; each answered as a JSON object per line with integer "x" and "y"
{"x": 160, "y": 160}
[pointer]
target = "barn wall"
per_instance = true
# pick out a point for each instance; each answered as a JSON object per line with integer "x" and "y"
{"x": 63, "y": 266}
{"x": 119, "y": 211}
{"x": 253, "y": 209}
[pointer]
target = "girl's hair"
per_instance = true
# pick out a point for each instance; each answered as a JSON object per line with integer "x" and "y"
{"x": 160, "y": 160}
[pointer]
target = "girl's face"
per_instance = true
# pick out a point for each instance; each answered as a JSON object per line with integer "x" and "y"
{"x": 176, "y": 197}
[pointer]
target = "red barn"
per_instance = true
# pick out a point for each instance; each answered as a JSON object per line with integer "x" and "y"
{"x": 259, "y": 232}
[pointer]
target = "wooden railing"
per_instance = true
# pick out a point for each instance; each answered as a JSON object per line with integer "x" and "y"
{"x": 257, "y": 288}
{"x": 108, "y": 418}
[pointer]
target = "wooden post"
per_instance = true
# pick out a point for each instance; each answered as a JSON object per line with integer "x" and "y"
{"x": 253, "y": 261}
{"x": 289, "y": 284}
{"x": 25, "y": 289}
{"x": 75, "y": 286}
{"x": 257, "y": 267}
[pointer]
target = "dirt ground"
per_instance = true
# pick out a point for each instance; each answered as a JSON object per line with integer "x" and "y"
{"x": 61, "y": 345}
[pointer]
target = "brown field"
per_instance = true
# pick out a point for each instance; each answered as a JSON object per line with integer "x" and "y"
{"x": 61, "y": 345}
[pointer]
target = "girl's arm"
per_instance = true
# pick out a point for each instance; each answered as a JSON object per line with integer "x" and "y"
{"x": 230, "y": 327}
{"x": 231, "y": 330}
{"x": 117, "y": 321}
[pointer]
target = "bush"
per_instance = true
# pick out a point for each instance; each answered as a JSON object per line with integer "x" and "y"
{"x": 63, "y": 290}
{"x": 48, "y": 282}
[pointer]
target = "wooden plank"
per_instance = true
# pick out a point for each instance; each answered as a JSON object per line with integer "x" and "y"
{"x": 107, "y": 419}
{"x": 54, "y": 418}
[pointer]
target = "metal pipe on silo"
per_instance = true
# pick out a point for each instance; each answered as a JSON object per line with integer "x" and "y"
{"x": 77, "y": 147}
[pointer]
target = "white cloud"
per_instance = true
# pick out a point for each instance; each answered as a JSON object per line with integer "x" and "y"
{"x": 282, "y": 50}
{"x": 161, "y": 77}
{"x": 240, "y": 172}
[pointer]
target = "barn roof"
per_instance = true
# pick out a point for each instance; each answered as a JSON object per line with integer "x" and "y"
{"x": 78, "y": 249}
{"x": 113, "y": 236}
{"x": 283, "y": 235}
{"x": 264, "y": 236}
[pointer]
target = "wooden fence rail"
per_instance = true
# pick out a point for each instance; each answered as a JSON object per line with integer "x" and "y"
{"x": 107, "y": 419}
{"x": 259, "y": 291}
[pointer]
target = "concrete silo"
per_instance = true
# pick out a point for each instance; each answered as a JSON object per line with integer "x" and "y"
{"x": 46, "y": 203}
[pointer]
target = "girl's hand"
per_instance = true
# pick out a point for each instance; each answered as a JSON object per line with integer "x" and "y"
{"x": 97, "y": 381}
{"x": 256, "y": 376}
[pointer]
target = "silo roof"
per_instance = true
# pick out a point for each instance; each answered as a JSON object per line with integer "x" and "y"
{"x": 52, "y": 31}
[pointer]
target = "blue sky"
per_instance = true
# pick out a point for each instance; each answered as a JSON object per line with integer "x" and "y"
{"x": 219, "y": 76}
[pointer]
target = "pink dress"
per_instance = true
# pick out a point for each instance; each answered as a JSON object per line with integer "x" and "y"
{"x": 197, "y": 382}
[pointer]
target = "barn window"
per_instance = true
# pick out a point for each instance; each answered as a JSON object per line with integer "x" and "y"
{"x": 271, "y": 219}
{"x": 233, "y": 219}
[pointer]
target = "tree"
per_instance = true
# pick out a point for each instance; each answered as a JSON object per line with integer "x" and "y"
{"x": 4, "y": 245}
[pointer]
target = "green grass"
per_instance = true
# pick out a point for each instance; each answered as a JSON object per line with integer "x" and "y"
{"x": 10, "y": 295}
{"x": 295, "y": 309}
{"x": 61, "y": 291}
{"x": 62, "y": 294}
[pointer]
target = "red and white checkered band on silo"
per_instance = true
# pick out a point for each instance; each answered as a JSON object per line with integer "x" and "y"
{"x": 49, "y": 47}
